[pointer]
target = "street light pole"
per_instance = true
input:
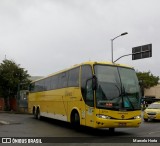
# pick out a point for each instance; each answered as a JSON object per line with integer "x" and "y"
{"x": 113, "y": 40}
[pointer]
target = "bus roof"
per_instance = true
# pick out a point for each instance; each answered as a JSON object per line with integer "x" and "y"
{"x": 106, "y": 63}
{"x": 86, "y": 63}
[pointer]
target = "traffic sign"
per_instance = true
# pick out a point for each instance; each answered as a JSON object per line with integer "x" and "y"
{"x": 141, "y": 52}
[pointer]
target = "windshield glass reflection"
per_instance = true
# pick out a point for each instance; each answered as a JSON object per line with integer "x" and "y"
{"x": 117, "y": 89}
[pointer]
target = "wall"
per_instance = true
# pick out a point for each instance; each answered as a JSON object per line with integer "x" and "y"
{"x": 1, "y": 104}
{"x": 153, "y": 91}
{"x": 12, "y": 102}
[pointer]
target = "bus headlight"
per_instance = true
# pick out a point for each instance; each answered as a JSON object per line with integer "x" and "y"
{"x": 103, "y": 116}
{"x": 137, "y": 117}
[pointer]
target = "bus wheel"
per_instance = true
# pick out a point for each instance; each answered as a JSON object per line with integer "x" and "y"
{"x": 75, "y": 120}
{"x": 38, "y": 116}
{"x": 34, "y": 112}
{"x": 111, "y": 130}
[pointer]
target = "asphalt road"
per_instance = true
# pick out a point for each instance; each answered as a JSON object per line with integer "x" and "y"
{"x": 24, "y": 125}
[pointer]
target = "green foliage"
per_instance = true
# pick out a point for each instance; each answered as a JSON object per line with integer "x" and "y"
{"x": 11, "y": 75}
{"x": 148, "y": 79}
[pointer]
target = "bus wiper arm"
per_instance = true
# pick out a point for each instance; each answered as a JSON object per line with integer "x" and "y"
{"x": 118, "y": 90}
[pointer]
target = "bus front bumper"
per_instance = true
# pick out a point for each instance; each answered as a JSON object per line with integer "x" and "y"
{"x": 114, "y": 123}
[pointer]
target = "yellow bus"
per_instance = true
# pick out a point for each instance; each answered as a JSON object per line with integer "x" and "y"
{"x": 94, "y": 94}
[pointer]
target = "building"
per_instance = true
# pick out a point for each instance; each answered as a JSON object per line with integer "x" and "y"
{"x": 153, "y": 92}
{"x": 151, "y": 95}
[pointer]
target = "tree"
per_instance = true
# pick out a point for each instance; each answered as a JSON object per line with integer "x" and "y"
{"x": 148, "y": 80}
{"x": 11, "y": 76}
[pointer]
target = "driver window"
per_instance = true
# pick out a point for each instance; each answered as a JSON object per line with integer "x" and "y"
{"x": 86, "y": 85}
{"x": 89, "y": 93}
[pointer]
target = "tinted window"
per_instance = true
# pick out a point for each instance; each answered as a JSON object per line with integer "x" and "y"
{"x": 86, "y": 85}
{"x": 39, "y": 86}
{"x": 73, "y": 79}
{"x": 32, "y": 87}
{"x": 86, "y": 74}
{"x": 154, "y": 106}
{"x": 47, "y": 84}
{"x": 62, "y": 80}
{"x": 54, "y": 82}
{"x": 69, "y": 78}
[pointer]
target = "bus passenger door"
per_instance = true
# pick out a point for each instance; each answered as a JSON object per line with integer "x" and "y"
{"x": 89, "y": 104}
{"x": 87, "y": 93}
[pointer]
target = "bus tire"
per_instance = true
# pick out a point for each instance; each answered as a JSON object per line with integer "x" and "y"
{"x": 38, "y": 115}
{"x": 34, "y": 112}
{"x": 75, "y": 120}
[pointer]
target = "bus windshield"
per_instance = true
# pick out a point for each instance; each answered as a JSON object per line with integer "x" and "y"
{"x": 117, "y": 89}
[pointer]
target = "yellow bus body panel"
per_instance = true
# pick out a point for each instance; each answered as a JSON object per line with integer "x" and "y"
{"x": 59, "y": 104}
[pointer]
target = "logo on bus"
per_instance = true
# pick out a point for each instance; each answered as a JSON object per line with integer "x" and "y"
{"x": 122, "y": 116}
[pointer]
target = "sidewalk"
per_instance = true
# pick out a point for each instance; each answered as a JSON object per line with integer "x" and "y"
{"x": 11, "y": 112}
{"x": 14, "y": 112}
{"x": 9, "y": 118}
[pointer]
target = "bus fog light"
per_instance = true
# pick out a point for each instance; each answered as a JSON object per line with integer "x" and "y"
{"x": 103, "y": 116}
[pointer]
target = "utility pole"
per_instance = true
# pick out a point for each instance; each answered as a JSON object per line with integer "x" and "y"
{"x": 112, "y": 43}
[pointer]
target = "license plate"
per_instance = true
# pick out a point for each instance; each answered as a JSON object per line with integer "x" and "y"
{"x": 151, "y": 117}
{"x": 122, "y": 124}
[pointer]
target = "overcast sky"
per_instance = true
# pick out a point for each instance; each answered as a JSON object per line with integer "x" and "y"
{"x": 45, "y": 36}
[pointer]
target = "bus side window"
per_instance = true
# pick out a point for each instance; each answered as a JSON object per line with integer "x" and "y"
{"x": 54, "y": 82}
{"x": 47, "y": 84}
{"x": 32, "y": 87}
{"x": 62, "y": 83}
{"x": 73, "y": 79}
{"x": 86, "y": 85}
{"x": 89, "y": 93}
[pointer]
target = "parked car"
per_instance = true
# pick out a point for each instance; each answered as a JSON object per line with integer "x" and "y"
{"x": 152, "y": 112}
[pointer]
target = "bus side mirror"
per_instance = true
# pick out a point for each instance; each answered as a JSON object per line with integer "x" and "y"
{"x": 140, "y": 82}
{"x": 94, "y": 82}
